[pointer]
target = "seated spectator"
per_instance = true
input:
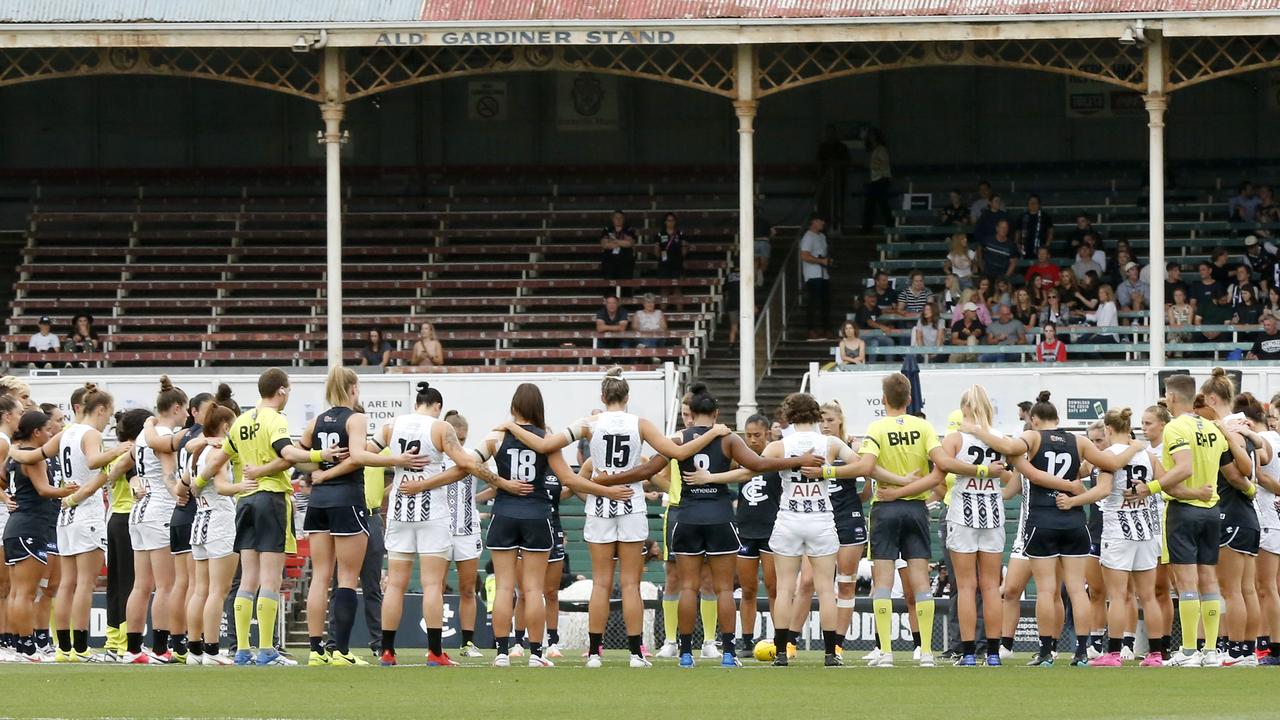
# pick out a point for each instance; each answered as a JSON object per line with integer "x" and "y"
{"x": 955, "y": 213}
{"x": 1044, "y": 271}
{"x": 969, "y": 331}
{"x": 1083, "y": 229}
{"x": 985, "y": 228}
{"x": 1087, "y": 293}
{"x": 376, "y": 352}
{"x": 648, "y": 319}
{"x": 82, "y": 338}
{"x": 950, "y": 294}
{"x": 916, "y": 296}
{"x": 867, "y": 317}
{"x": 1266, "y": 343}
{"x": 1268, "y": 211}
{"x": 1068, "y": 287}
{"x": 1115, "y": 269}
{"x": 670, "y": 248}
{"x": 1260, "y": 257}
{"x": 1173, "y": 281}
{"x": 1240, "y": 281}
{"x": 1094, "y": 240}
{"x": 617, "y": 244}
{"x": 1243, "y": 208}
{"x": 1217, "y": 311}
{"x": 1054, "y": 311}
{"x": 1050, "y": 349}
{"x": 612, "y": 318}
{"x": 886, "y": 296}
{"x": 44, "y": 341}
{"x": 1218, "y": 259}
{"x": 1205, "y": 290}
{"x": 1023, "y": 309}
{"x": 930, "y": 330}
{"x": 1248, "y": 311}
{"x": 982, "y": 295}
{"x": 1035, "y": 228}
{"x": 852, "y": 350}
{"x": 1003, "y": 294}
{"x": 1180, "y": 314}
{"x": 1084, "y": 262}
{"x": 981, "y": 203}
{"x": 1105, "y": 315}
{"x": 1272, "y": 305}
{"x": 966, "y": 297}
{"x": 1005, "y": 330}
{"x": 960, "y": 260}
{"x": 427, "y": 350}
{"x": 1132, "y": 293}
{"x": 998, "y": 254}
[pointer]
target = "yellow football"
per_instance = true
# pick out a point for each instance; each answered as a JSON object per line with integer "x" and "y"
{"x": 765, "y": 651}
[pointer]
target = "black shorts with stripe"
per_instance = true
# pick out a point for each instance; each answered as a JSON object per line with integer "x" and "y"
{"x": 532, "y": 535}
{"x": 713, "y": 539}
{"x": 345, "y": 520}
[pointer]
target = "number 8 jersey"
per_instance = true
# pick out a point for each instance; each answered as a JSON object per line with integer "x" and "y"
{"x": 615, "y": 448}
{"x": 976, "y": 503}
{"x": 412, "y": 433}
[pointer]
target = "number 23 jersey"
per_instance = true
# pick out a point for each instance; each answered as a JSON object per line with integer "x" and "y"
{"x": 976, "y": 502}
{"x": 615, "y": 447}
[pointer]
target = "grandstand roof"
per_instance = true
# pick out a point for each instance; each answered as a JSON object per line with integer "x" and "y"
{"x": 437, "y": 11}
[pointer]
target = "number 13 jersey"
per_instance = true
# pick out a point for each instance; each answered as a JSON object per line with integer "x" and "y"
{"x": 412, "y": 433}
{"x": 1129, "y": 519}
{"x": 615, "y": 448}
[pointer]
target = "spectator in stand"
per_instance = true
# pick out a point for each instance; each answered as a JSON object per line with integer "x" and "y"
{"x": 1023, "y": 309}
{"x": 1241, "y": 281}
{"x": 966, "y": 297}
{"x": 1050, "y": 349}
{"x": 1206, "y": 289}
{"x": 1068, "y": 287}
{"x": 852, "y": 350}
{"x": 981, "y": 203}
{"x": 618, "y": 243}
{"x": 1087, "y": 293}
{"x": 1173, "y": 281}
{"x": 1243, "y": 208}
{"x": 376, "y": 352}
{"x": 985, "y": 228}
{"x": 1268, "y": 211}
{"x": 427, "y": 350}
{"x": 886, "y": 296}
{"x": 44, "y": 341}
{"x": 649, "y": 319}
{"x": 867, "y": 317}
{"x": 1132, "y": 293}
{"x": 968, "y": 332}
{"x": 960, "y": 260}
{"x": 916, "y": 296}
{"x": 1084, "y": 261}
{"x": 955, "y": 213}
{"x": 1260, "y": 257}
{"x": 1216, "y": 311}
{"x": 764, "y": 248}
{"x": 876, "y": 206}
{"x": 951, "y": 293}
{"x": 930, "y": 330}
{"x": 1005, "y": 330}
{"x": 1218, "y": 259}
{"x": 998, "y": 255}
{"x": 612, "y": 318}
{"x": 1083, "y": 229}
{"x": 1094, "y": 241}
{"x": 815, "y": 268}
{"x": 1272, "y": 306}
{"x": 1248, "y": 311}
{"x": 1003, "y": 293}
{"x": 1035, "y": 228}
{"x": 1044, "y": 271}
{"x": 1266, "y": 343}
{"x": 982, "y": 295}
{"x": 1106, "y": 315}
{"x": 1054, "y": 312}
{"x": 733, "y": 301}
{"x": 82, "y": 338}
{"x": 670, "y": 248}
{"x": 1180, "y": 314}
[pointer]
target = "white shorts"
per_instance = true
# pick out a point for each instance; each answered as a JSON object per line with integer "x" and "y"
{"x": 217, "y": 546}
{"x": 465, "y": 547}
{"x": 1130, "y": 555}
{"x": 804, "y": 534}
{"x": 624, "y": 528}
{"x": 82, "y": 537}
{"x": 149, "y": 535}
{"x": 964, "y": 539}
{"x": 430, "y": 537}
{"x": 1271, "y": 540}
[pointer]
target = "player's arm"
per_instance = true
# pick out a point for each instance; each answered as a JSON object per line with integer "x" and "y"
{"x": 443, "y": 436}
{"x": 1004, "y": 444}
{"x": 1261, "y": 448}
{"x": 639, "y": 473}
{"x": 1178, "y": 447}
{"x": 38, "y": 473}
{"x": 87, "y": 490}
{"x": 215, "y": 461}
{"x": 1100, "y": 489}
{"x": 578, "y": 483}
{"x": 664, "y": 445}
{"x": 1105, "y": 460}
{"x": 1039, "y": 477}
{"x": 1013, "y": 487}
{"x": 1239, "y": 453}
{"x": 44, "y": 452}
{"x": 661, "y": 480}
{"x": 740, "y": 453}
{"x": 223, "y": 484}
{"x": 773, "y": 450}
{"x": 1232, "y": 471}
{"x": 161, "y": 444}
{"x": 360, "y": 456}
{"x": 951, "y": 464}
{"x": 95, "y": 455}
{"x": 929, "y": 482}
{"x": 548, "y": 443}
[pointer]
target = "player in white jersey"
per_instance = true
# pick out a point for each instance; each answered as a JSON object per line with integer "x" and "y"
{"x": 153, "y": 564}
{"x": 614, "y": 528}
{"x": 418, "y": 515}
{"x": 82, "y": 521}
{"x": 466, "y": 544}
{"x": 1267, "y": 505}
{"x": 1154, "y": 419}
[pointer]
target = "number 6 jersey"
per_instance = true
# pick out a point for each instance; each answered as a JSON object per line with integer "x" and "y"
{"x": 615, "y": 447}
{"x": 412, "y": 433}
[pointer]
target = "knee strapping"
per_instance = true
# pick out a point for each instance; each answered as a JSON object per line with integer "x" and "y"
{"x": 844, "y": 579}
{"x": 845, "y": 602}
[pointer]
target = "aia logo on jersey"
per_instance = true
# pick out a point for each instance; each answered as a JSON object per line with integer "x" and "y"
{"x": 983, "y": 485}
{"x": 906, "y": 437}
{"x": 806, "y": 490}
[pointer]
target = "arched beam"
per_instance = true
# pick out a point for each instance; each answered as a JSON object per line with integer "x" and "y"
{"x": 1195, "y": 60}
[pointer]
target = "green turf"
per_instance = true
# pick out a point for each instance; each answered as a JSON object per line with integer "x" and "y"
{"x": 804, "y": 691}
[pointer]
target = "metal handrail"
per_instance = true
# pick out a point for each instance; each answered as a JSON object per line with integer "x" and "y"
{"x": 771, "y": 321}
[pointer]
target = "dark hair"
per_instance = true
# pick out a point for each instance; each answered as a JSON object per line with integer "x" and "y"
{"x": 526, "y": 402}
{"x": 881, "y": 272}
{"x": 1249, "y": 406}
{"x": 801, "y": 408}
{"x": 984, "y": 182}
{"x": 32, "y": 420}
{"x": 169, "y": 395}
{"x": 1025, "y": 406}
{"x": 8, "y": 404}
{"x": 701, "y": 401}
{"x": 1043, "y": 409}
{"x": 1032, "y": 196}
{"x": 77, "y": 396}
{"x": 223, "y": 398}
{"x": 216, "y": 417}
{"x": 193, "y": 407}
{"x": 92, "y": 398}
{"x": 129, "y": 423}
{"x": 758, "y": 419}
{"x": 428, "y": 395}
{"x": 271, "y": 381}
{"x": 381, "y": 338}
{"x": 614, "y": 387}
{"x": 48, "y": 408}
{"x": 670, "y": 215}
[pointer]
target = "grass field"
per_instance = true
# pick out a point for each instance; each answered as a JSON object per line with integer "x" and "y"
{"x": 805, "y": 690}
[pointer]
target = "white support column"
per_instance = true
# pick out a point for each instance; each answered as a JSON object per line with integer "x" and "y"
{"x": 745, "y": 108}
{"x": 332, "y": 111}
{"x": 1157, "y": 103}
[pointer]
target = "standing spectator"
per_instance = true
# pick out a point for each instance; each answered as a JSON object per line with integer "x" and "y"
{"x": 617, "y": 243}
{"x": 1132, "y": 293}
{"x": 1259, "y": 256}
{"x": 999, "y": 253}
{"x": 82, "y": 338}
{"x": 1044, "y": 272}
{"x": 968, "y": 332}
{"x": 1215, "y": 311}
{"x": 916, "y": 296}
{"x": 960, "y": 260}
{"x": 852, "y": 350}
{"x": 981, "y": 203}
{"x": 1181, "y": 314}
{"x": 877, "y": 200}
{"x": 1248, "y": 311}
{"x": 1085, "y": 262}
{"x": 763, "y": 249}
{"x": 1218, "y": 262}
{"x": 670, "y": 248}
{"x": 1173, "y": 281}
{"x": 44, "y": 341}
{"x": 985, "y": 228}
{"x": 955, "y": 213}
{"x": 376, "y": 352}
{"x": 427, "y": 350}
{"x": 1035, "y": 228}
{"x": 1050, "y": 349}
{"x": 930, "y": 330}
{"x": 612, "y": 318}
{"x": 1243, "y": 208}
{"x": 1023, "y": 309}
{"x": 1005, "y": 330}
{"x": 833, "y": 156}
{"x": 1266, "y": 343}
{"x": 816, "y": 270}
{"x": 648, "y": 319}
{"x": 733, "y": 301}
{"x": 867, "y": 317}
{"x": 1206, "y": 289}
{"x": 886, "y": 296}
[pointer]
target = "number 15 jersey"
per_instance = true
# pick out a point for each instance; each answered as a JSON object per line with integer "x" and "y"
{"x": 615, "y": 447}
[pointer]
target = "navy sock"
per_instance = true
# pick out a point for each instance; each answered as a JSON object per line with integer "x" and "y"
{"x": 502, "y": 644}
{"x": 435, "y": 643}
{"x": 64, "y": 640}
{"x": 686, "y": 643}
{"x": 317, "y": 643}
{"x": 80, "y": 640}
{"x": 344, "y": 616}
{"x": 633, "y": 643}
{"x": 553, "y": 636}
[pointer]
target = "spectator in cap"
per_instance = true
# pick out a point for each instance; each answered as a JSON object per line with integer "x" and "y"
{"x": 1132, "y": 292}
{"x": 969, "y": 331}
{"x": 44, "y": 340}
{"x": 1260, "y": 257}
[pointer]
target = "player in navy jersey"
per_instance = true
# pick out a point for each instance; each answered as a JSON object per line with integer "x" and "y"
{"x": 1094, "y": 583}
{"x": 851, "y": 525}
{"x": 756, "y": 510}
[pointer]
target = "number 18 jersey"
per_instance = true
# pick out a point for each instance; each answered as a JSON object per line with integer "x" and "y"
{"x": 516, "y": 462}
{"x": 615, "y": 447}
{"x": 412, "y": 433}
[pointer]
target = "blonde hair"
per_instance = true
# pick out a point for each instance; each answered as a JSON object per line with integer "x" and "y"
{"x": 975, "y": 400}
{"x": 1161, "y": 413}
{"x": 339, "y": 386}
{"x": 1119, "y": 420}
{"x": 959, "y": 243}
{"x": 614, "y": 388}
{"x": 833, "y": 407}
{"x": 11, "y": 385}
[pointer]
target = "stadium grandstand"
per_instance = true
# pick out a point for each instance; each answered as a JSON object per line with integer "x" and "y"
{"x": 740, "y": 206}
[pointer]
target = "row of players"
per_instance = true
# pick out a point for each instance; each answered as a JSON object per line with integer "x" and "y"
{"x": 816, "y": 520}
